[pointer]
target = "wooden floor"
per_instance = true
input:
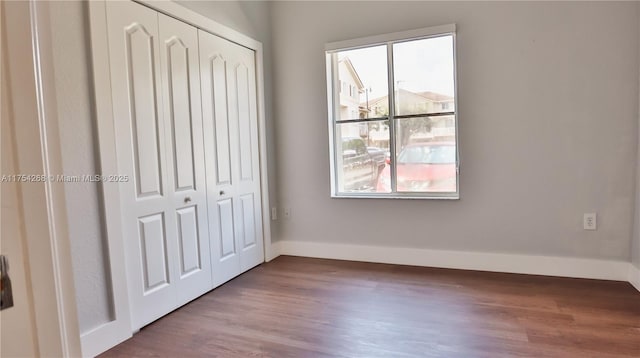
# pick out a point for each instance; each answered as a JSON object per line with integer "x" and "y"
{"x": 300, "y": 307}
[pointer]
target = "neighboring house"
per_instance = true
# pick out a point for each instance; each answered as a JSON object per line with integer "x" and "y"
{"x": 351, "y": 87}
{"x": 440, "y": 102}
{"x": 377, "y": 134}
{"x": 409, "y": 103}
{"x": 440, "y": 128}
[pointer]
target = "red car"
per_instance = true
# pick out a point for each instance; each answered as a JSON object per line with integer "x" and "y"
{"x": 423, "y": 167}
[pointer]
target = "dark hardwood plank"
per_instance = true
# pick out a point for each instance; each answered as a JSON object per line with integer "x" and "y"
{"x": 301, "y": 307}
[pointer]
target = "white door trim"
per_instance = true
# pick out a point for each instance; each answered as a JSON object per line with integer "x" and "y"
{"x": 119, "y": 329}
{"x": 181, "y": 13}
{"x": 48, "y": 254}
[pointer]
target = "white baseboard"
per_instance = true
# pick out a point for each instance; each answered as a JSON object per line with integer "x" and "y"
{"x": 273, "y": 252}
{"x": 511, "y": 263}
{"x": 104, "y": 337}
{"x": 634, "y": 276}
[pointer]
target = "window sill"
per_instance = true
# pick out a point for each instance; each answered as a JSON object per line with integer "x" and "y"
{"x": 455, "y": 196}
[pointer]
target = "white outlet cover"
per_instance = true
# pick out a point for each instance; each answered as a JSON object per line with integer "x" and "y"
{"x": 590, "y": 221}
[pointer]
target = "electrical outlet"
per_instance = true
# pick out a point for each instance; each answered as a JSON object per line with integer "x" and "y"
{"x": 274, "y": 213}
{"x": 589, "y": 221}
{"x": 287, "y": 213}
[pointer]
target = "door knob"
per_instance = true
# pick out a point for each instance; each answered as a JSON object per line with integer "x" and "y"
{"x": 221, "y": 192}
{"x": 187, "y": 199}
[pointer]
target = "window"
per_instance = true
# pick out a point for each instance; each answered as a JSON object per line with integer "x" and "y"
{"x": 406, "y": 118}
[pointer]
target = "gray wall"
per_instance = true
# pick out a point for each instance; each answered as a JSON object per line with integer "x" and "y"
{"x": 74, "y": 86}
{"x": 548, "y": 111}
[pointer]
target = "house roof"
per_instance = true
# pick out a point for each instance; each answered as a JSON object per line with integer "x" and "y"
{"x": 436, "y": 97}
{"x": 431, "y": 96}
{"x": 353, "y": 71}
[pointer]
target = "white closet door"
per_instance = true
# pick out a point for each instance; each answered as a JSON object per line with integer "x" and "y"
{"x": 158, "y": 134}
{"x": 140, "y": 132}
{"x": 247, "y": 160}
{"x": 231, "y": 147}
{"x": 185, "y": 156}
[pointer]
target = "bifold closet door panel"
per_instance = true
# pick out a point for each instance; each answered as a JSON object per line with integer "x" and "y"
{"x": 148, "y": 218}
{"x": 185, "y": 156}
{"x": 218, "y": 130}
{"x": 231, "y": 152}
{"x": 247, "y": 164}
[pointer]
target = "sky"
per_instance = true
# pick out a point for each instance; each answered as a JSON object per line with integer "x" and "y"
{"x": 422, "y": 65}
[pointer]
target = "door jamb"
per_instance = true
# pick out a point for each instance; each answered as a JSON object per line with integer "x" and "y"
{"x": 42, "y": 198}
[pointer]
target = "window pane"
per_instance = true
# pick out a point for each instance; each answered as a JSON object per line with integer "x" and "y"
{"x": 362, "y": 81}
{"x": 426, "y": 154}
{"x": 423, "y": 72}
{"x": 362, "y": 150}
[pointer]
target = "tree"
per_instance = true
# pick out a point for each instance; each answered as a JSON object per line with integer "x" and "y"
{"x": 409, "y": 126}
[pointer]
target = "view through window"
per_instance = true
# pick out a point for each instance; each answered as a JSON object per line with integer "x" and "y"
{"x": 399, "y": 145}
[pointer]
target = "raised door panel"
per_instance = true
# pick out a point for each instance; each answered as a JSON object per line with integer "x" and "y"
{"x": 148, "y": 216}
{"x": 219, "y": 101}
{"x": 188, "y": 239}
{"x": 179, "y": 101}
{"x": 225, "y": 262}
{"x": 153, "y": 244}
{"x": 247, "y": 213}
{"x": 244, "y": 110}
{"x": 226, "y": 228}
{"x": 185, "y": 156}
{"x": 140, "y": 60}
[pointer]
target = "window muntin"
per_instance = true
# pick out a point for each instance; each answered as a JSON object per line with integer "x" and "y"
{"x": 411, "y": 149}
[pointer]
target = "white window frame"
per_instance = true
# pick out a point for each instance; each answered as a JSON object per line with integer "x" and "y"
{"x": 333, "y": 98}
